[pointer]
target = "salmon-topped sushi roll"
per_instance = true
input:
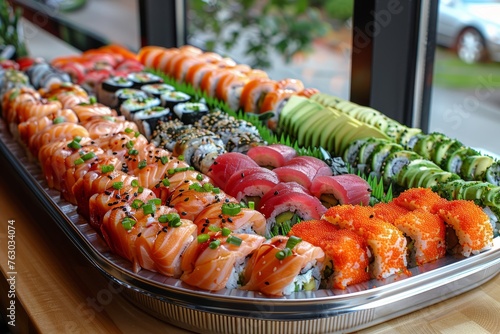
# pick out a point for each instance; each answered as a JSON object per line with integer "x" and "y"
{"x": 97, "y": 181}
{"x": 211, "y": 79}
{"x": 117, "y": 195}
{"x": 35, "y": 124}
{"x": 469, "y": 229}
{"x": 254, "y": 93}
{"x": 274, "y": 101}
{"x": 194, "y": 75}
{"x": 172, "y": 240}
{"x": 387, "y": 243}
{"x": 16, "y": 97}
{"x": 233, "y": 216}
{"x": 182, "y": 65}
{"x": 283, "y": 265}
{"x": 38, "y": 108}
{"x": 308, "y": 92}
{"x": 291, "y": 84}
{"x": 229, "y": 88}
{"x": 99, "y": 126}
{"x": 419, "y": 198}
{"x": 85, "y": 111}
{"x": 148, "y": 54}
{"x": 60, "y": 131}
{"x": 426, "y": 233}
{"x": 216, "y": 260}
{"x": 347, "y": 254}
{"x": 189, "y": 199}
{"x": 171, "y": 65}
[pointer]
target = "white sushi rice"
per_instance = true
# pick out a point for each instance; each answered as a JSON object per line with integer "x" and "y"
{"x": 310, "y": 272}
{"x": 235, "y": 278}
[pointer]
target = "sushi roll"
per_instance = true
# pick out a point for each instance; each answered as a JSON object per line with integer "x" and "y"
{"x": 133, "y": 105}
{"x": 419, "y": 198}
{"x": 170, "y": 99}
{"x": 283, "y": 265}
{"x": 232, "y": 216}
{"x": 303, "y": 170}
{"x": 148, "y": 119}
{"x": 272, "y": 156}
{"x": 190, "y": 112}
{"x": 251, "y": 184}
{"x": 341, "y": 189}
{"x": 106, "y": 92}
{"x": 386, "y": 242}
{"x": 243, "y": 142}
{"x": 217, "y": 260}
{"x": 140, "y": 79}
{"x": 287, "y": 203}
{"x": 225, "y": 165}
{"x": 347, "y": 255}
{"x": 205, "y": 154}
{"x": 124, "y": 94}
{"x": 189, "y": 142}
{"x": 157, "y": 90}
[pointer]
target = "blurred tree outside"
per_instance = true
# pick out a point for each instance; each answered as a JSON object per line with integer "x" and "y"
{"x": 288, "y": 27}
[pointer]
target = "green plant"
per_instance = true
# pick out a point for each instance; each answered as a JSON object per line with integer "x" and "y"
{"x": 283, "y": 26}
{"x": 9, "y": 28}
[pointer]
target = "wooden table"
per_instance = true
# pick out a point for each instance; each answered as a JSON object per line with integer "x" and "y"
{"x": 59, "y": 291}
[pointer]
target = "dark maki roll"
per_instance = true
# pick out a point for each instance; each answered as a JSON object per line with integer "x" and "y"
{"x": 140, "y": 79}
{"x": 172, "y": 98}
{"x": 157, "y": 89}
{"x": 134, "y": 105}
{"x": 124, "y": 94}
{"x": 106, "y": 93}
{"x": 190, "y": 112}
{"x": 148, "y": 119}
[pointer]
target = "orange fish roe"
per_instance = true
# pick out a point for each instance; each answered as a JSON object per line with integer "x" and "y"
{"x": 470, "y": 223}
{"x": 386, "y": 242}
{"x": 419, "y": 198}
{"x": 389, "y": 212}
{"x": 347, "y": 251}
{"x": 428, "y": 232}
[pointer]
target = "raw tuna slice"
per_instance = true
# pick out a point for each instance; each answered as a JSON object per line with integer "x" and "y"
{"x": 286, "y": 203}
{"x": 272, "y": 156}
{"x": 341, "y": 189}
{"x": 303, "y": 170}
{"x": 251, "y": 184}
{"x": 225, "y": 165}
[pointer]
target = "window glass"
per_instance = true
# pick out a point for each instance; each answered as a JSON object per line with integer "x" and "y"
{"x": 304, "y": 39}
{"x": 466, "y": 90}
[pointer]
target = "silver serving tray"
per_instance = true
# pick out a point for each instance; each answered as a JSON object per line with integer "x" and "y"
{"x": 236, "y": 311}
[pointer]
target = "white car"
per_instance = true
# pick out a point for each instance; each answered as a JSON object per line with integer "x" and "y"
{"x": 471, "y": 28}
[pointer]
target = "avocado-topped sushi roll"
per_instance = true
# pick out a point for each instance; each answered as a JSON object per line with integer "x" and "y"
{"x": 106, "y": 92}
{"x": 147, "y": 119}
{"x": 124, "y": 94}
{"x": 134, "y": 105}
{"x": 157, "y": 89}
{"x": 171, "y": 98}
{"x": 190, "y": 112}
{"x": 140, "y": 79}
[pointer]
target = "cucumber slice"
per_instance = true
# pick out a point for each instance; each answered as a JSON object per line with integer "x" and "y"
{"x": 474, "y": 167}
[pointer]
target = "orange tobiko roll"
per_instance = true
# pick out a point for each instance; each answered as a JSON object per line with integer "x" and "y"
{"x": 419, "y": 198}
{"x": 473, "y": 231}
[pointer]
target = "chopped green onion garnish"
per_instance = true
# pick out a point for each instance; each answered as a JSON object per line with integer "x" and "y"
{"x": 216, "y": 190}
{"x": 134, "y": 183}
{"x": 137, "y": 134}
{"x": 58, "y": 120}
{"x": 93, "y": 100}
{"x": 199, "y": 177}
{"x": 107, "y": 168}
{"x": 164, "y": 160}
{"x": 208, "y": 187}
{"x": 140, "y": 190}
{"x": 180, "y": 157}
{"x": 79, "y": 161}
{"x": 118, "y": 185}
{"x": 166, "y": 182}
{"x": 214, "y": 244}
{"x": 251, "y": 205}
{"x": 74, "y": 145}
{"x": 214, "y": 228}
{"x": 231, "y": 209}
{"x": 292, "y": 241}
{"x": 282, "y": 254}
{"x": 163, "y": 219}
{"x": 128, "y": 223}
{"x": 142, "y": 164}
{"x": 226, "y": 232}
{"x": 233, "y": 240}
{"x": 202, "y": 238}
{"x": 155, "y": 201}
{"x": 149, "y": 208}
{"x": 136, "y": 203}
{"x": 77, "y": 139}
{"x": 133, "y": 152}
{"x": 174, "y": 220}
{"x": 129, "y": 144}
{"x": 128, "y": 130}
{"x": 88, "y": 156}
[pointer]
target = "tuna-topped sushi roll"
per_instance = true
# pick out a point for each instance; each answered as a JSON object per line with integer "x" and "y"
{"x": 283, "y": 265}
{"x": 106, "y": 92}
{"x": 250, "y": 184}
{"x": 225, "y": 165}
{"x": 131, "y": 106}
{"x": 157, "y": 89}
{"x": 303, "y": 170}
{"x": 140, "y": 79}
{"x": 341, "y": 189}
{"x": 170, "y": 99}
{"x": 386, "y": 242}
{"x": 217, "y": 260}
{"x": 190, "y": 112}
{"x": 347, "y": 254}
{"x": 232, "y": 216}
{"x": 148, "y": 119}
{"x": 287, "y": 203}
{"x": 272, "y": 156}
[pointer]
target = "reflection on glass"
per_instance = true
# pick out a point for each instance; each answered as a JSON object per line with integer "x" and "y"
{"x": 306, "y": 40}
{"x": 466, "y": 95}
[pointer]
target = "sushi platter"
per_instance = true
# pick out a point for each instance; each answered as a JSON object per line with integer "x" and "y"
{"x": 176, "y": 292}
